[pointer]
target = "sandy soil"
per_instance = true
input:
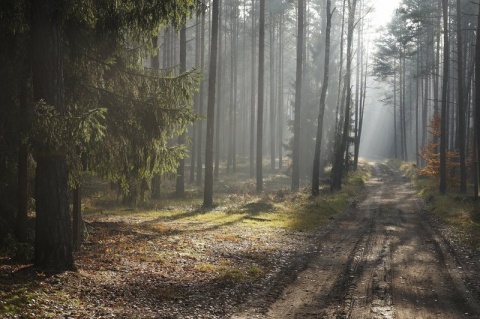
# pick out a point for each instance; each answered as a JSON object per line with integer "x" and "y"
{"x": 384, "y": 258}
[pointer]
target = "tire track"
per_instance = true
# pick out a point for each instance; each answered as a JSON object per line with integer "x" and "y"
{"x": 380, "y": 260}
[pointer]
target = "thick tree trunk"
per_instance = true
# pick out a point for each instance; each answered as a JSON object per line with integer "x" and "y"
{"x": 53, "y": 229}
{"x": 208, "y": 189}
{"x": 261, "y": 86}
{"x": 22, "y": 194}
{"x": 321, "y": 112}
{"x": 298, "y": 101}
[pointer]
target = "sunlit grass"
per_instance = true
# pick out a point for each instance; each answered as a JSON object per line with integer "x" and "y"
{"x": 277, "y": 208}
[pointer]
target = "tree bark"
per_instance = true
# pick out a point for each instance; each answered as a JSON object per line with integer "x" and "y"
{"x": 201, "y": 103}
{"x": 460, "y": 102}
{"x": 298, "y": 100}
{"x": 477, "y": 102}
{"x": 272, "y": 93}
{"x": 340, "y": 148}
{"x": 180, "y": 182}
{"x": 443, "y": 125}
{"x": 280, "y": 93}
{"x": 252, "y": 96}
{"x": 155, "y": 64}
{"x": 77, "y": 218}
{"x": 261, "y": 85}
{"x": 208, "y": 189}
{"x": 321, "y": 112}
{"x": 53, "y": 229}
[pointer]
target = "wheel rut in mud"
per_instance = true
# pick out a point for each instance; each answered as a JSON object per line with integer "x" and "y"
{"x": 381, "y": 259}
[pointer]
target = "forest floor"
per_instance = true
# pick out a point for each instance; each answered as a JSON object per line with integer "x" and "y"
{"x": 370, "y": 251}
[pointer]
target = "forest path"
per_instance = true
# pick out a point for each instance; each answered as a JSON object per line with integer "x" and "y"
{"x": 383, "y": 259}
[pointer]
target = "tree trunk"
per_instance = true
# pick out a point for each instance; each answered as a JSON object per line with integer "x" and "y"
{"x": 280, "y": 94}
{"x": 443, "y": 125}
{"x": 196, "y": 101}
{"x": 22, "y": 170}
{"x": 395, "y": 131}
{"x": 219, "y": 93}
{"x": 77, "y": 218}
{"x": 261, "y": 85}
{"x": 321, "y": 112}
{"x": 180, "y": 183}
{"x": 201, "y": 98}
{"x": 477, "y": 101}
{"x": 272, "y": 93}
{"x": 298, "y": 101}
{"x": 22, "y": 194}
{"x": 252, "y": 96}
{"x": 208, "y": 189}
{"x": 340, "y": 148}
{"x": 155, "y": 64}
{"x": 460, "y": 102}
{"x": 53, "y": 229}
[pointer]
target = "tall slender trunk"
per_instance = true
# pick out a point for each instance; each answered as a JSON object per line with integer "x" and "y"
{"x": 460, "y": 102}
{"x": 272, "y": 93}
{"x": 235, "y": 85}
{"x": 221, "y": 58}
{"x": 252, "y": 95}
{"x": 395, "y": 108}
{"x": 477, "y": 103}
{"x": 340, "y": 148}
{"x": 196, "y": 101}
{"x": 180, "y": 183}
{"x": 280, "y": 93}
{"x": 208, "y": 189}
{"x": 298, "y": 100}
{"x": 201, "y": 104}
{"x": 261, "y": 72}
{"x": 321, "y": 112}
{"x": 155, "y": 64}
{"x": 443, "y": 125}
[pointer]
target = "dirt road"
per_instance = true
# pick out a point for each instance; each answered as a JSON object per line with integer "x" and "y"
{"x": 382, "y": 259}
